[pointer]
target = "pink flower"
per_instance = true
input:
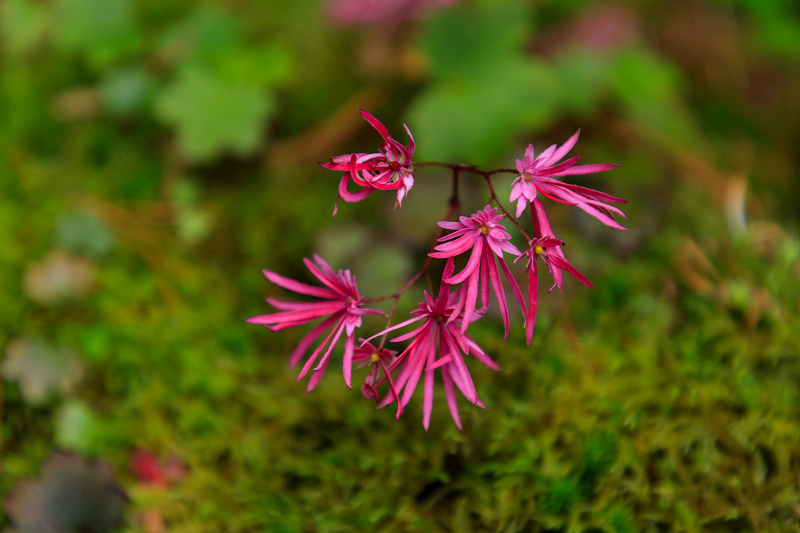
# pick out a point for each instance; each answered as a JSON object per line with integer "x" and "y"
{"x": 549, "y": 249}
{"x": 538, "y": 175}
{"x": 482, "y": 233}
{"x": 363, "y": 12}
{"x": 380, "y": 359}
{"x": 389, "y": 169}
{"x": 439, "y": 333}
{"x": 341, "y": 305}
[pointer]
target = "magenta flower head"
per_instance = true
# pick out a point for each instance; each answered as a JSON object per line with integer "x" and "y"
{"x": 340, "y": 307}
{"x": 549, "y": 249}
{"x": 539, "y": 175}
{"x": 439, "y": 333}
{"x": 488, "y": 240}
{"x": 380, "y": 359}
{"x": 389, "y": 169}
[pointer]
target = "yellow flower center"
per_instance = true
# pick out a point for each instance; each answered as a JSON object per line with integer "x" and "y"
{"x": 484, "y": 230}
{"x": 374, "y": 357}
{"x": 538, "y": 250}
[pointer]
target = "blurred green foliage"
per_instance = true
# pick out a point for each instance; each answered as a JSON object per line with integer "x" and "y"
{"x": 171, "y": 147}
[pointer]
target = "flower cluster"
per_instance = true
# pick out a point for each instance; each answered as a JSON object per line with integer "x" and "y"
{"x": 439, "y": 339}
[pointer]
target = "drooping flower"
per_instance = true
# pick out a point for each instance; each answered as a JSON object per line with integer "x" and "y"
{"x": 439, "y": 333}
{"x": 549, "y": 249}
{"x": 539, "y": 175}
{"x": 389, "y": 169}
{"x": 380, "y": 359}
{"x": 488, "y": 239}
{"x": 341, "y": 306}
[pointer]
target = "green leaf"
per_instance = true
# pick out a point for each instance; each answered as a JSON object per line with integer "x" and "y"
{"x": 485, "y": 89}
{"x": 212, "y": 116}
{"x": 473, "y": 120}
{"x": 103, "y": 30}
{"x": 470, "y": 39}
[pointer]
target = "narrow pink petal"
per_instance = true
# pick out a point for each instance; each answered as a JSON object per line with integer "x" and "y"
{"x": 411, "y": 144}
{"x": 320, "y": 309}
{"x": 485, "y": 282}
{"x": 338, "y": 330}
{"x": 552, "y": 171}
{"x": 298, "y": 287}
{"x": 316, "y": 377}
{"x": 471, "y": 299}
{"x": 416, "y": 372}
{"x": 587, "y": 169}
{"x": 563, "y": 263}
{"x": 444, "y": 287}
{"x": 463, "y": 377}
{"x": 543, "y": 156}
{"x": 396, "y": 326}
{"x": 514, "y": 285}
{"x": 528, "y": 159}
{"x": 440, "y": 362}
{"x": 284, "y": 305}
{"x": 457, "y": 233}
{"x": 450, "y": 394}
{"x": 427, "y": 398}
{"x": 375, "y": 123}
{"x": 456, "y": 247}
{"x": 559, "y": 154}
{"x": 522, "y": 203}
{"x": 601, "y": 196}
{"x": 310, "y": 362}
{"x": 328, "y": 279}
{"x": 499, "y": 293}
{"x": 347, "y": 196}
{"x": 450, "y": 225}
{"x": 533, "y": 303}
{"x": 480, "y": 355}
{"x": 472, "y": 264}
{"x": 410, "y": 334}
{"x": 308, "y": 339}
{"x": 347, "y": 362}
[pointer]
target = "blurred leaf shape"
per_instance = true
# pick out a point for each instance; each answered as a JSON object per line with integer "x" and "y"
{"x": 212, "y": 116}
{"x": 103, "y": 30}
{"x": 126, "y": 90}
{"x": 71, "y": 495}
{"x": 82, "y": 232}
{"x": 59, "y": 276}
{"x": 23, "y": 25}
{"x": 484, "y": 89}
{"x": 77, "y": 427}
{"x": 41, "y": 369}
{"x": 205, "y": 34}
{"x": 473, "y": 120}
{"x": 647, "y": 88}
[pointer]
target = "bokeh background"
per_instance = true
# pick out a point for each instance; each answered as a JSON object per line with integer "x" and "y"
{"x": 155, "y": 155}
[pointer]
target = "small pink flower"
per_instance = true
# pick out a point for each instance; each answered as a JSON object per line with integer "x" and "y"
{"x": 549, "y": 249}
{"x": 538, "y": 175}
{"x": 341, "y": 305}
{"x": 380, "y": 359}
{"x": 482, "y": 233}
{"x": 439, "y": 333}
{"x": 389, "y": 169}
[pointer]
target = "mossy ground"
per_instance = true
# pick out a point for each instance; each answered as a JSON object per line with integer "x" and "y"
{"x": 667, "y": 399}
